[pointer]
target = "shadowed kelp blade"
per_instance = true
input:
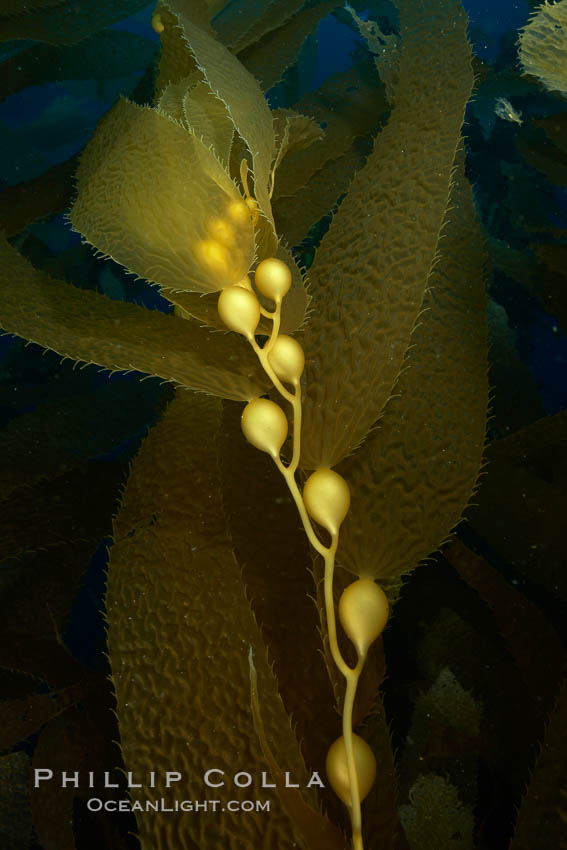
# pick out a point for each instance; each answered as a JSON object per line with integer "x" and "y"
{"x": 180, "y": 631}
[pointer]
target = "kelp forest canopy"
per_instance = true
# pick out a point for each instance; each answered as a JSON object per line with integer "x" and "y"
{"x": 337, "y": 234}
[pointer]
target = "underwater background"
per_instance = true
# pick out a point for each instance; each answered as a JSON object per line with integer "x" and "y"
{"x": 465, "y": 705}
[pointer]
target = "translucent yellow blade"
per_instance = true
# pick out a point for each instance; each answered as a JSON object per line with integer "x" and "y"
{"x": 175, "y": 62}
{"x": 154, "y": 198}
{"x": 207, "y": 117}
{"x": 173, "y": 95}
{"x": 204, "y": 307}
{"x": 241, "y": 93}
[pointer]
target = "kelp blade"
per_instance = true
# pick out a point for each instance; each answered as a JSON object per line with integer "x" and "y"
{"x": 416, "y": 472}
{"x": 542, "y": 48}
{"x": 246, "y": 105}
{"x": 154, "y": 198}
{"x": 371, "y": 270}
{"x": 208, "y": 119}
{"x": 180, "y": 632}
{"x": 85, "y": 326}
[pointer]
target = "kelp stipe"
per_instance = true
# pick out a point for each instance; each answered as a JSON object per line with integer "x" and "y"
{"x": 363, "y": 608}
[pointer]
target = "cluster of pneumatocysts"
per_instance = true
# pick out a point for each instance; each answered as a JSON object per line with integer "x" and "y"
{"x": 363, "y": 607}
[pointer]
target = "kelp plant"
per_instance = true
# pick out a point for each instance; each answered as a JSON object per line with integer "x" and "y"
{"x": 386, "y": 391}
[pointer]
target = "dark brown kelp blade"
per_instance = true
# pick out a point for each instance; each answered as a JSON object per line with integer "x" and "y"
{"x": 370, "y": 273}
{"x": 75, "y": 506}
{"x": 62, "y": 746}
{"x": 85, "y": 326}
{"x": 348, "y": 105}
{"x": 530, "y": 637}
{"x": 64, "y": 433}
{"x": 269, "y": 57}
{"x": 245, "y": 22}
{"x": 381, "y": 825}
{"x": 516, "y": 400}
{"x": 103, "y": 55}
{"x": 15, "y": 815}
{"x": 23, "y": 7}
{"x": 175, "y": 62}
{"x": 21, "y": 717}
{"x": 39, "y": 197}
{"x": 67, "y": 22}
{"x": 526, "y": 478}
{"x": 180, "y": 630}
{"x": 309, "y": 182}
{"x": 541, "y": 823}
{"x": 37, "y": 594}
{"x": 551, "y": 282}
{"x": 415, "y": 474}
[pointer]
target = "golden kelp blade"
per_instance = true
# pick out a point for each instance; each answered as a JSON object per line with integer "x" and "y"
{"x": 204, "y": 307}
{"x": 207, "y": 118}
{"x": 154, "y": 198}
{"x": 180, "y": 631}
{"x": 85, "y": 326}
{"x": 274, "y": 561}
{"x": 175, "y": 61}
{"x": 370, "y": 272}
{"x": 171, "y": 99}
{"x": 543, "y": 46}
{"x": 245, "y": 102}
{"x": 317, "y": 830}
{"x": 416, "y": 472}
